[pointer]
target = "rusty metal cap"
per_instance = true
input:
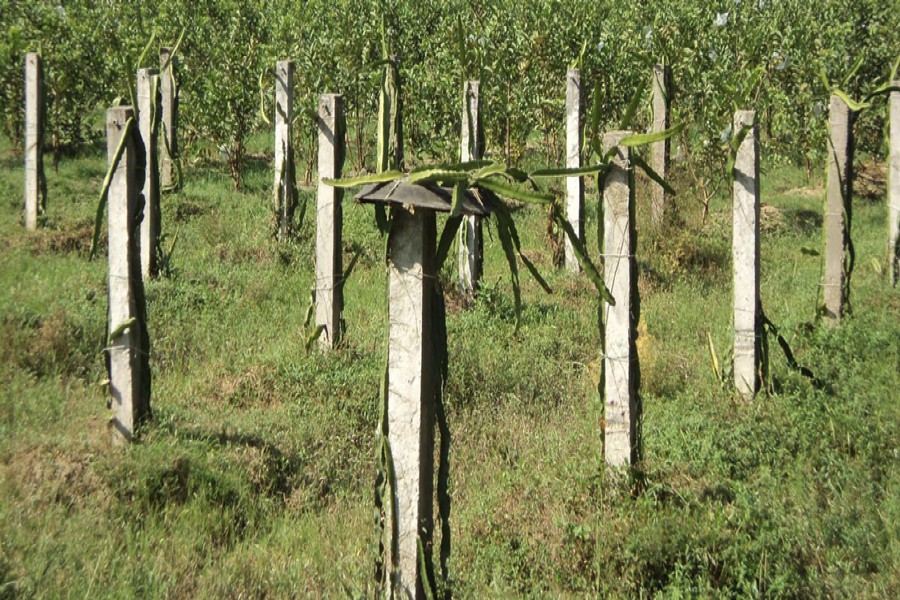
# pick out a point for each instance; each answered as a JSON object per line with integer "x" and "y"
{"x": 427, "y": 196}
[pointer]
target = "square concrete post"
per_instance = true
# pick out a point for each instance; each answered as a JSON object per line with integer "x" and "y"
{"x": 329, "y": 221}
{"x": 574, "y": 185}
{"x": 838, "y": 199}
{"x": 411, "y": 396}
{"x": 284, "y": 164}
{"x": 34, "y": 128}
{"x": 745, "y": 255}
{"x": 620, "y": 355}
{"x": 470, "y": 241}
{"x": 894, "y": 188}
{"x": 148, "y": 116}
{"x": 169, "y": 128}
{"x": 127, "y": 360}
{"x": 659, "y": 151}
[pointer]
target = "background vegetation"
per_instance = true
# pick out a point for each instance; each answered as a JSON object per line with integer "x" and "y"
{"x": 255, "y": 477}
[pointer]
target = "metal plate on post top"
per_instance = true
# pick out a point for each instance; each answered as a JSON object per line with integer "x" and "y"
{"x": 427, "y": 196}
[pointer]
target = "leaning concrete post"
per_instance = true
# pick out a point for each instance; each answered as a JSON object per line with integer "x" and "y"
{"x": 284, "y": 163}
{"x": 620, "y": 355}
{"x": 128, "y": 367}
{"x": 148, "y": 115}
{"x": 34, "y": 128}
{"x": 410, "y": 412}
{"x": 894, "y": 188}
{"x": 574, "y": 185}
{"x": 169, "y": 102}
{"x": 837, "y": 201}
{"x": 329, "y": 221}
{"x": 745, "y": 254}
{"x": 662, "y": 78}
{"x": 470, "y": 240}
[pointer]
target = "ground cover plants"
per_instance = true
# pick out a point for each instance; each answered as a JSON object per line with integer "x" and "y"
{"x": 254, "y": 478}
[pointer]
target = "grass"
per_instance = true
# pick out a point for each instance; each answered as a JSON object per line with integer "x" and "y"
{"x": 254, "y": 478}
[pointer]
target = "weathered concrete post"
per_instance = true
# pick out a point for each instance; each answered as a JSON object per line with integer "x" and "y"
{"x": 470, "y": 242}
{"x": 148, "y": 115}
{"x": 745, "y": 254}
{"x": 128, "y": 360}
{"x": 411, "y": 371}
{"x": 662, "y": 90}
{"x": 620, "y": 354}
{"x": 169, "y": 102}
{"x": 284, "y": 164}
{"x": 329, "y": 221}
{"x": 34, "y": 128}
{"x": 894, "y": 188}
{"x": 837, "y": 201}
{"x": 574, "y": 185}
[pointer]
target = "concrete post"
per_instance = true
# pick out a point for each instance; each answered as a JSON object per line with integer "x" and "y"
{"x": 745, "y": 254}
{"x": 662, "y": 89}
{"x": 574, "y": 185}
{"x": 470, "y": 241}
{"x": 127, "y": 360}
{"x": 411, "y": 371}
{"x": 894, "y": 188}
{"x": 169, "y": 102}
{"x": 620, "y": 355}
{"x": 284, "y": 168}
{"x": 838, "y": 198}
{"x": 329, "y": 221}
{"x": 148, "y": 115}
{"x": 34, "y": 127}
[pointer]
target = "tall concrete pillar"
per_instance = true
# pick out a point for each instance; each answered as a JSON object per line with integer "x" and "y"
{"x": 284, "y": 167}
{"x": 411, "y": 396}
{"x": 659, "y": 151}
{"x": 329, "y": 221}
{"x": 574, "y": 185}
{"x": 34, "y": 128}
{"x": 894, "y": 189}
{"x": 745, "y": 254}
{"x": 838, "y": 198}
{"x": 470, "y": 242}
{"x": 128, "y": 374}
{"x": 169, "y": 124}
{"x": 620, "y": 354}
{"x": 148, "y": 116}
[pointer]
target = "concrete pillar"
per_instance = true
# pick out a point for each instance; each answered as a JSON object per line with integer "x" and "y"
{"x": 574, "y": 185}
{"x": 148, "y": 115}
{"x": 470, "y": 242}
{"x": 659, "y": 152}
{"x": 838, "y": 196}
{"x": 169, "y": 128}
{"x": 130, "y": 402}
{"x": 329, "y": 221}
{"x": 284, "y": 168}
{"x": 745, "y": 255}
{"x": 894, "y": 188}
{"x": 34, "y": 127}
{"x": 620, "y": 354}
{"x": 410, "y": 406}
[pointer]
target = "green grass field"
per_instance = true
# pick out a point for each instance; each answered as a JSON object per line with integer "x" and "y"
{"x": 255, "y": 477}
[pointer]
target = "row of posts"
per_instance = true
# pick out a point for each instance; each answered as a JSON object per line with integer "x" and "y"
{"x": 411, "y": 270}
